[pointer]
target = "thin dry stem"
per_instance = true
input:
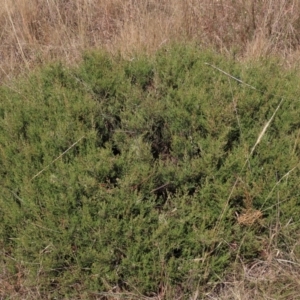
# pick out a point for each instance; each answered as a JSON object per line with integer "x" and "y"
{"x": 57, "y": 158}
{"x": 264, "y": 129}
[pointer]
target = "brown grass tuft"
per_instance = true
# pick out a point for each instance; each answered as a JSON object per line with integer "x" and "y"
{"x": 275, "y": 276}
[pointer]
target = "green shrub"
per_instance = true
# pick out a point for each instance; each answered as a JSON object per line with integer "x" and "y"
{"x": 130, "y": 174}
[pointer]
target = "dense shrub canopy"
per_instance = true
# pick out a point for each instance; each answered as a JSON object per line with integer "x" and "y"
{"x": 137, "y": 175}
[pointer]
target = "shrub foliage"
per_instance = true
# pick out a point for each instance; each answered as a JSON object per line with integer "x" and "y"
{"x": 137, "y": 176}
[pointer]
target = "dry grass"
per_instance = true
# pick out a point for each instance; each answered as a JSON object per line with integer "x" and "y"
{"x": 276, "y": 276}
{"x": 36, "y": 31}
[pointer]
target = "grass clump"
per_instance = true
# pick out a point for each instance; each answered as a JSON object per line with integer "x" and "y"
{"x": 148, "y": 177}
